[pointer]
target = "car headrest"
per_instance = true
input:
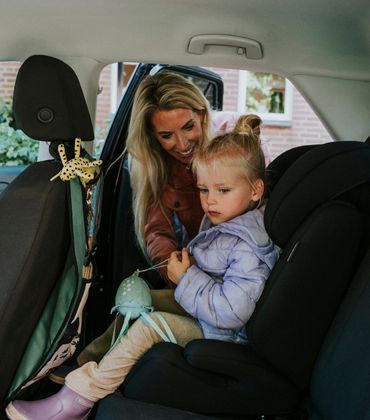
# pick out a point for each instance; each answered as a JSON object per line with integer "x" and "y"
{"x": 317, "y": 174}
{"x": 48, "y": 102}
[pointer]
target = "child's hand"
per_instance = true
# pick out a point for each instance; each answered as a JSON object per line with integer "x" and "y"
{"x": 178, "y": 263}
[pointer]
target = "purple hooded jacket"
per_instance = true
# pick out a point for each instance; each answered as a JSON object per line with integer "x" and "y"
{"x": 234, "y": 259}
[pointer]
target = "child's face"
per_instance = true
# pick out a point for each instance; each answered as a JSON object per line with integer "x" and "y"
{"x": 225, "y": 193}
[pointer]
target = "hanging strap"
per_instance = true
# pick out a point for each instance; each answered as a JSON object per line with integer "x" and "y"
{"x": 170, "y": 338}
{"x": 153, "y": 267}
{"x": 78, "y": 224}
{"x": 123, "y": 330}
{"x": 166, "y": 336}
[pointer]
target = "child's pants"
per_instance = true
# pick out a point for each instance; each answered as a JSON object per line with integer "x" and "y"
{"x": 162, "y": 300}
{"x": 94, "y": 381}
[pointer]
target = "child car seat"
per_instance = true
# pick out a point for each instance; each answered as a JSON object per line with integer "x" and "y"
{"x": 42, "y": 228}
{"x": 314, "y": 213}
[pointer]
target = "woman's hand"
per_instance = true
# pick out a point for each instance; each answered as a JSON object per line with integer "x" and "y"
{"x": 178, "y": 263}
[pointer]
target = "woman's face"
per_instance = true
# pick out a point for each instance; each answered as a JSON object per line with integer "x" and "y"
{"x": 178, "y": 131}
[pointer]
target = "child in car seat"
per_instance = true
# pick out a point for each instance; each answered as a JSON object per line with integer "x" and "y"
{"x": 219, "y": 277}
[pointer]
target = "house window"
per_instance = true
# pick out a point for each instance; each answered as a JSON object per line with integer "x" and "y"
{"x": 268, "y": 95}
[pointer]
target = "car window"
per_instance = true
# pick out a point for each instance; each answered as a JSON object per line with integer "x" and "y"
{"x": 209, "y": 89}
{"x": 288, "y": 120}
{"x": 113, "y": 82}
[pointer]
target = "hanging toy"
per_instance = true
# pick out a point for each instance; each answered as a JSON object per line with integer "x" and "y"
{"x": 133, "y": 300}
{"x": 77, "y": 167}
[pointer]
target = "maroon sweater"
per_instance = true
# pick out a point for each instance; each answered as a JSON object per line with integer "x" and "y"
{"x": 179, "y": 196}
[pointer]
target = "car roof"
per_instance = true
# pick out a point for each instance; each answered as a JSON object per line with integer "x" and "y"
{"x": 322, "y": 47}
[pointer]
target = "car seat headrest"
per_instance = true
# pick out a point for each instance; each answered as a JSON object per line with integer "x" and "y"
{"x": 48, "y": 102}
{"x": 318, "y": 174}
{"x": 279, "y": 165}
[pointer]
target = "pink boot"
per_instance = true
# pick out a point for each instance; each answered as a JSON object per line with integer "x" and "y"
{"x": 64, "y": 405}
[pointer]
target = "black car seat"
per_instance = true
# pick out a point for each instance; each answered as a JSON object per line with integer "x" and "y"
{"x": 318, "y": 214}
{"x": 339, "y": 388}
{"x": 42, "y": 228}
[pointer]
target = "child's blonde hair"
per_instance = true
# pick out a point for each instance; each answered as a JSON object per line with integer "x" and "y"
{"x": 240, "y": 148}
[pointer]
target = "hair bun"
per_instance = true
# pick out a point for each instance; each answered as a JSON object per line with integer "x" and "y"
{"x": 248, "y": 124}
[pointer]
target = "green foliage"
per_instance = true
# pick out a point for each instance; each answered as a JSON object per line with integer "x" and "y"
{"x": 15, "y": 147}
{"x": 264, "y": 93}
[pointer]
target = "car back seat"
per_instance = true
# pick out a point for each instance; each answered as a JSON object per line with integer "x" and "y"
{"x": 318, "y": 213}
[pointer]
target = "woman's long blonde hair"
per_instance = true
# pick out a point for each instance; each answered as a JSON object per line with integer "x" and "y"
{"x": 149, "y": 161}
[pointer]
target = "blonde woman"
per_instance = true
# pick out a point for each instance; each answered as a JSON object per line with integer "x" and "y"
{"x": 170, "y": 120}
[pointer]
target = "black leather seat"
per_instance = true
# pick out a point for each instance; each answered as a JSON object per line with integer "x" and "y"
{"x": 35, "y": 222}
{"x": 318, "y": 213}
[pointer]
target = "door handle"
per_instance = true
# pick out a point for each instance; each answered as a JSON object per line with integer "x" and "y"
{"x": 244, "y": 46}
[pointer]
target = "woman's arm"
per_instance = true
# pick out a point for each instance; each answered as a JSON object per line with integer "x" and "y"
{"x": 159, "y": 236}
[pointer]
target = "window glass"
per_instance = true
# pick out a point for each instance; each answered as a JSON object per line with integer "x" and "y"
{"x": 112, "y": 84}
{"x": 208, "y": 88}
{"x": 288, "y": 120}
{"x": 268, "y": 95}
{"x": 265, "y": 92}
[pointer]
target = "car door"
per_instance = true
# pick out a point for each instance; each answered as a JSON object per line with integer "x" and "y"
{"x": 117, "y": 254}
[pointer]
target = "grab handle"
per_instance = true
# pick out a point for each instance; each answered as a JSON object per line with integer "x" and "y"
{"x": 244, "y": 46}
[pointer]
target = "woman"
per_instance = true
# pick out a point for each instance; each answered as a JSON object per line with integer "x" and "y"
{"x": 170, "y": 120}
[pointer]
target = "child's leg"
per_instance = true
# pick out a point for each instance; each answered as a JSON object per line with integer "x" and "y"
{"x": 162, "y": 300}
{"x": 96, "y": 350}
{"x": 94, "y": 381}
